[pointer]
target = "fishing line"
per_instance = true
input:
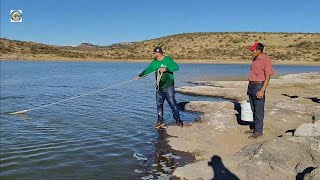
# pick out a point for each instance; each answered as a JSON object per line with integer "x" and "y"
{"x": 74, "y": 97}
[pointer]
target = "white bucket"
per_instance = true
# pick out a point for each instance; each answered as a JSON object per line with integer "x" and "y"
{"x": 246, "y": 112}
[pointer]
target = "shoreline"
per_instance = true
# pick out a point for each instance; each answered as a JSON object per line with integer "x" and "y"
{"x": 182, "y": 61}
{"x": 166, "y": 158}
{"x": 221, "y": 120}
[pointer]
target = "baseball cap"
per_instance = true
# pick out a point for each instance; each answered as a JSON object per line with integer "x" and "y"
{"x": 158, "y": 50}
{"x": 254, "y": 46}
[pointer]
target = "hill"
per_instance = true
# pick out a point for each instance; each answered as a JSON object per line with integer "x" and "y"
{"x": 292, "y": 47}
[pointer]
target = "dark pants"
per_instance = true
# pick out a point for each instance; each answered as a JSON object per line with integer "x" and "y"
{"x": 257, "y": 106}
{"x": 169, "y": 95}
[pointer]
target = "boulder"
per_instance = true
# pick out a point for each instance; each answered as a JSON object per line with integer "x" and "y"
{"x": 313, "y": 175}
{"x": 308, "y": 129}
{"x": 280, "y": 158}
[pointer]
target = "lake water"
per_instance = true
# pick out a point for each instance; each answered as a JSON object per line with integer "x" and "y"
{"x": 105, "y": 135}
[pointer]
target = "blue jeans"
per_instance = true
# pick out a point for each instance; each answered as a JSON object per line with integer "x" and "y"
{"x": 257, "y": 106}
{"x": 169, "y": 95}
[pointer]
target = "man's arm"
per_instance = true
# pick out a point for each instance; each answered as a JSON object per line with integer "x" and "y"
{"x": 260, "y": 93}
{"x": 268, "y": 72}
{"x": 147, "y": 71}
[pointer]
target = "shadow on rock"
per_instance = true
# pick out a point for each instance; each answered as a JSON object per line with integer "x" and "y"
{"x": 292, "y": 97}
{"x": 314, "y": 99}
{"x": 290, "y": 131}
{"x": 300, "y": 176}
{"x": 220, "y": 171}
{"x": 237, "y": 107}
{"x": 182, "y": 105}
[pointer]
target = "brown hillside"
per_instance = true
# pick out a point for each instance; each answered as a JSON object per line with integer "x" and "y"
{"x": 304, "y": 47}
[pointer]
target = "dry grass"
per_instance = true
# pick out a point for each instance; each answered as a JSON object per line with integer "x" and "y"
{"x": 228, "y": 47}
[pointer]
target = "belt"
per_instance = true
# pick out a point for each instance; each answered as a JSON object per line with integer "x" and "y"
{"x": 256, "y": 82}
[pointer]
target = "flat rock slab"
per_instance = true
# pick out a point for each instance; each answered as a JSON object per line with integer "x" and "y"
{"x": 219, "y": 133}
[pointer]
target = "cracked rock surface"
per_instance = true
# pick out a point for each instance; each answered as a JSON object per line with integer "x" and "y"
{"x": 288, "y": 149}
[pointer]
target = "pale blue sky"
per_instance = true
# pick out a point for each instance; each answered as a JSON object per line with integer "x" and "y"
{"x": 104, "y": 22}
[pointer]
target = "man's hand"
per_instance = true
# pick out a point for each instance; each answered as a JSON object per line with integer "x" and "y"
{"x": 260, "y": 94}
{"x": 136, "y": 78}
{"x": 163, "y": 69}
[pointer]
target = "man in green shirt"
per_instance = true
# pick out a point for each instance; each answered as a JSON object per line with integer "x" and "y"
{"x": 164, "y": 67}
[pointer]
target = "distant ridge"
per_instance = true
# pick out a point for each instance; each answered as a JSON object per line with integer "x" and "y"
{"x": 87, "y": 45}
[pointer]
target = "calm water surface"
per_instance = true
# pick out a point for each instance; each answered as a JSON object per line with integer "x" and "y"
{"x": 106, "y": 135}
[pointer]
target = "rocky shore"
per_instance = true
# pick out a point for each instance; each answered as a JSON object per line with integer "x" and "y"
{"x": 289, "y": 148}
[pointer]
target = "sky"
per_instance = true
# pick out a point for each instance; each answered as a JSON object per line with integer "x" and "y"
{"x": 104, "y": 22}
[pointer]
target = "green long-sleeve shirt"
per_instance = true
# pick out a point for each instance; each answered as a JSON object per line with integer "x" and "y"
{"x": 167, "y": 78}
